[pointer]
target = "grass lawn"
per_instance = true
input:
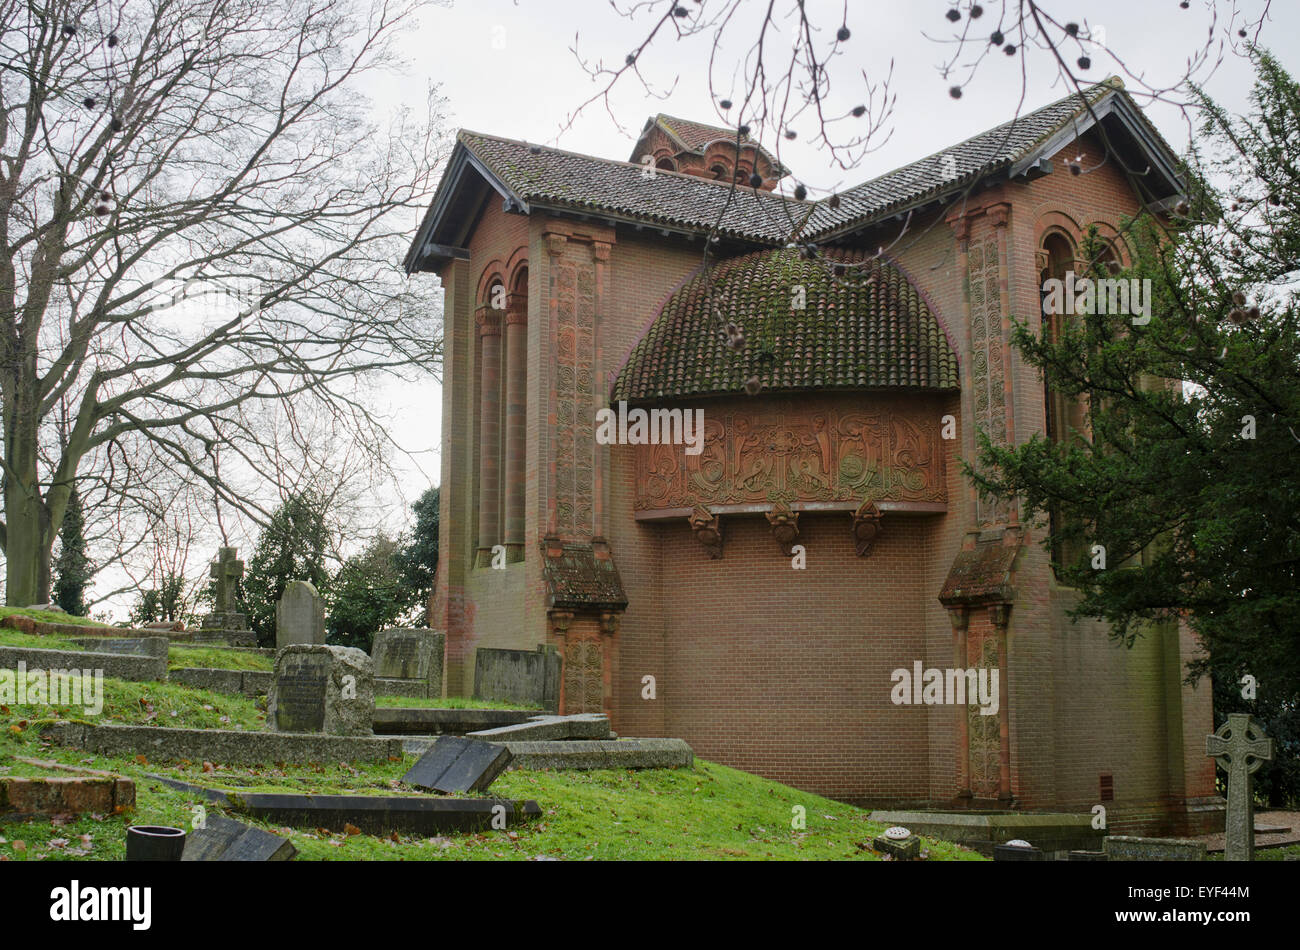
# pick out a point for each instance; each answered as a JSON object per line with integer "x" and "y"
{"x": 52, "y": 616}
{"x": 16, "y": 638}
{"x": 709, "y": 812}
{"x": 181, "y": 657}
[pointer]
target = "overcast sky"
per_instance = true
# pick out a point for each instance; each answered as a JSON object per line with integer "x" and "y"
{"x": 506, "y": 68}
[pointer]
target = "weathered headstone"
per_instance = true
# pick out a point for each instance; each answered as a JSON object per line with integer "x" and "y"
{"x": 320, "y": 688}
{"x": 225, "y": 622}
{"x": 454, "y": 764}
{"x": 410, "y": 653}
{"x": 224, "y": 839}
{"x": 1239, "y": 747}
{"x": 300, "y": 615}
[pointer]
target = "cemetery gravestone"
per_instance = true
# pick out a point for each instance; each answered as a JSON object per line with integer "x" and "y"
{"x": 225, "y": 622}
{"x": 413, "y": 654}
{"x": 318, "y": 688}
{"x": 224, "y": 839}
{"x": 1239, "y": 747}
{"x": 454, "y": 764}
{"x": 300, "y": 615}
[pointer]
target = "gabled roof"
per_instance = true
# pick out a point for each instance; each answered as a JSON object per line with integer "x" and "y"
{"x": 697, "y": 137}
{"x": 532, "y": 176}
{"x": 867, "y": 329}
{"x": 1015, "y": 148}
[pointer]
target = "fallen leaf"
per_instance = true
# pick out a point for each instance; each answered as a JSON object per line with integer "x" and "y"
{"x": 20, "y": 846}
{"x": 209, "y": 767}
{"x": 351, "y": 829}
{"x": 141, "y": 760}
{"x": 396, "y": 837}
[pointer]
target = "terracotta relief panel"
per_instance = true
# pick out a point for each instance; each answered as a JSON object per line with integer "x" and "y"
{"x": 881, "y": 450}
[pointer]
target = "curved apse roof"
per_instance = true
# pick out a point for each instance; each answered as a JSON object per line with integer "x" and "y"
{"x": 866, "y": 327}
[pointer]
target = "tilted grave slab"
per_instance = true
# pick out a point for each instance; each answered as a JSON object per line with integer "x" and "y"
{"x": 224, "y": 839}
{"x": 455, "y": 764}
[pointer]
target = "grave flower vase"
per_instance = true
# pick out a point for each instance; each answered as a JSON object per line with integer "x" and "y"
{"x": 154, "y": 843}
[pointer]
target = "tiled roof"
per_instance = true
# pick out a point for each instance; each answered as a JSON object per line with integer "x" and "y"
{"x": 580, "y": 575}
{"x": 568, "y": 181}
{"x": 553, "y": 177}
{"x": 967, "y": 161}
{"x": 697, "y": 136}
{"x": 866, "y": 329}
{"x": 981, "y": 574}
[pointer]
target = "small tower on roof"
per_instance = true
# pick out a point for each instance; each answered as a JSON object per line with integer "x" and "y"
{"x": 706, "y": 151}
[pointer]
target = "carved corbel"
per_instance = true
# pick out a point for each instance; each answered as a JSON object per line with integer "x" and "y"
{"x": 1000, "y": 615}
{"x": 866, "y": 527}
{"x": 959, "y": 617}
{"x": 785, "y": 526}
{"x": 708, "y": 530}
{"x": 609, "y": 621}
{"x": 560, "y": 620}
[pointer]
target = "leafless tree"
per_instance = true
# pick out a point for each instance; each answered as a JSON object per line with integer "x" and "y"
{"x": 774, "y": 67}
{"x": 199, "y": 214}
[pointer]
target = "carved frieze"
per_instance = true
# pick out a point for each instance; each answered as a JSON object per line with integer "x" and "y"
{"x": 872, "y": 448}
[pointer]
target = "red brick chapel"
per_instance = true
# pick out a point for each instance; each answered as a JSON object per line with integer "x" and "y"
{"x": 574, "y": 283}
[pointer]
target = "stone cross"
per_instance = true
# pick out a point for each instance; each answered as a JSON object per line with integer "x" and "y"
{"x": 1240, "y": 748}
{"x": 225, "y": 572}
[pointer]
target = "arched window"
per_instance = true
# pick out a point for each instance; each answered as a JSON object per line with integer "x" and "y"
{"x": 719, "y": 172}
{"x": 1064, "y": 416}
{"x": 491, "y": 317}
{"x": 666, "y": 164}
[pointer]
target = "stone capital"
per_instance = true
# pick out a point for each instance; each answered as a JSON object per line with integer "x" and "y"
{"x": 489, "y": 321}
{"x": 555, "y": 244}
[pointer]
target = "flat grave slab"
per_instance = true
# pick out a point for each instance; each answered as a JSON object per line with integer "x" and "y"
{"x": 400, "y": 721}
{"x": 592, "y": 754}
{"x": 454, "y": 764}
{"x": 549, "y": 728}
{"x": 224, "y": 839}
{"x": 373, "y": 814}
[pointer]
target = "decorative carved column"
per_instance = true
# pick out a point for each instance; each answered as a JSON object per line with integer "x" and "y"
{"x": 960, "y": 619}
{"x": 999, "y": 617}
{"x": 516, "y": 422}
{"x": 489, "y": 484}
